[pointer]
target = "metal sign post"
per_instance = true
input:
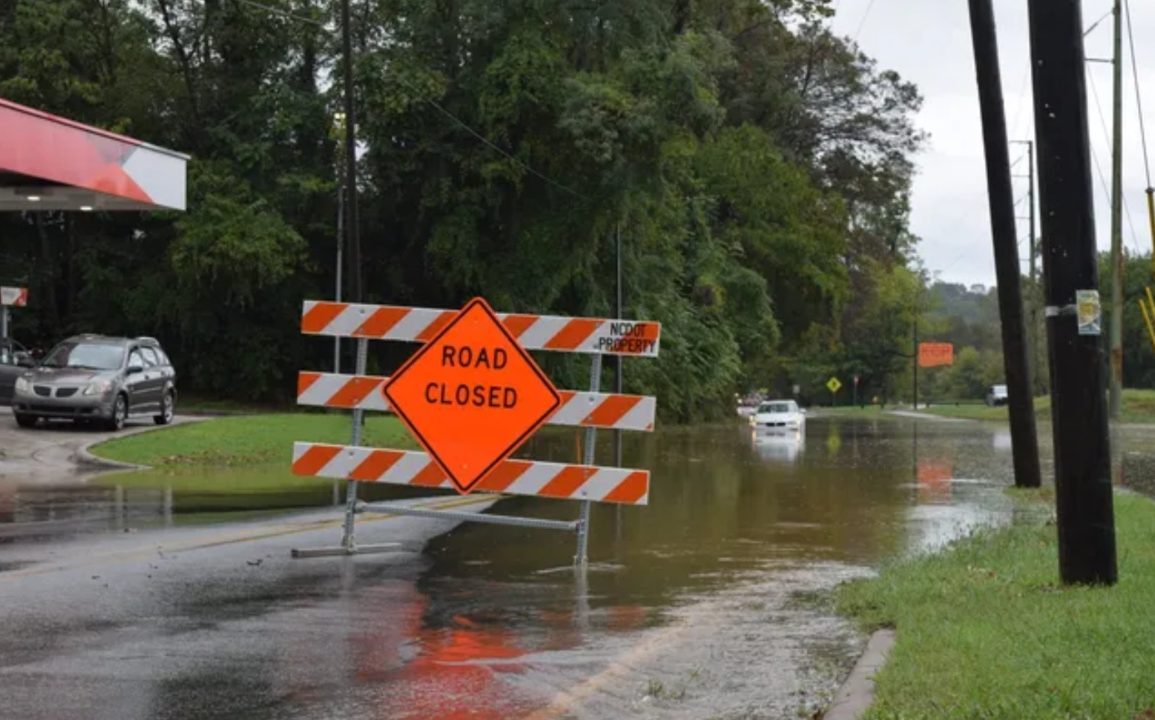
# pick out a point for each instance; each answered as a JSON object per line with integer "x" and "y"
{"x": 474, "y": 372}
{"x": 348, "y": 541}
{"x": 583, "y": 529}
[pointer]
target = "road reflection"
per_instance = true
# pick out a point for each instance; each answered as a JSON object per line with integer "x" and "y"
{"x": 785, "y": 447}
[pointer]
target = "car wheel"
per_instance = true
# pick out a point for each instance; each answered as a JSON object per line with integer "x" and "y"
{"x": 25, "y": 421}
{"x": 119, "y": 413}
{"x": 167, "y": 409}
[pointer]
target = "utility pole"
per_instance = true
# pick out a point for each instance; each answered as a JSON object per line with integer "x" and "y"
{"x": 618, "y": 315}
{"x": 1117, "y": 222}
{"x": 1031, "y": 304}
{"x": 1020, "y": 399}
{"x": 352, "y": 236}
{"x": 914, "y": 361}
{"x": 1083, "y": 492}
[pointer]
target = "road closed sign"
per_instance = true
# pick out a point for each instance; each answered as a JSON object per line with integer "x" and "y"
{"x": 472, "y": 396}
{"x": 935, "y": 354}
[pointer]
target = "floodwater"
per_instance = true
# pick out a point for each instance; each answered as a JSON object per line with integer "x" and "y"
{"x": 711, "y": 602}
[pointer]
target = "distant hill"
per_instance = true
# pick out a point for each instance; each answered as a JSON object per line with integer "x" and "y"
{"x": 964, "y": 315}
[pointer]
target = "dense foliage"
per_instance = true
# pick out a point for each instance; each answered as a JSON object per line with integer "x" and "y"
{"x": 757, "y": 166}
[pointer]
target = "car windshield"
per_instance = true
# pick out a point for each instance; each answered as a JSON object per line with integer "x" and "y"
{"x": 775, "y": 407}
{"x": 88, "y": 356}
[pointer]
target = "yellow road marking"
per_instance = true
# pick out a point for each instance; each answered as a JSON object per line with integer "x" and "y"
{"x": 244, "y": 536}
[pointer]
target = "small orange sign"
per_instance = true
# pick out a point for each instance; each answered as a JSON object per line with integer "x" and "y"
{"x": 472, "y": 396}
{"x": 935, "y": 354}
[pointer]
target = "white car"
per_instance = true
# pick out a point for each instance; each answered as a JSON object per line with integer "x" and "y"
{"x": 778, "y": 416}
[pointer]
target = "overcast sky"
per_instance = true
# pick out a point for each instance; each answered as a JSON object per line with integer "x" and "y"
{"x": 929, "y": 43}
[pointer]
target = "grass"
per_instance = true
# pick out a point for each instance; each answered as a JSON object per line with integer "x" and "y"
{"x": 241, "y": 463}
{"x": 851, "y": 410}
{"x": 1138, "y": 407}
{"x": 246, "y": 440}
{"x": 985, "y": 631}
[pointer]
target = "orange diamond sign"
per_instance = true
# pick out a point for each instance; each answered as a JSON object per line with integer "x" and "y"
{"x": 472, "y": 396}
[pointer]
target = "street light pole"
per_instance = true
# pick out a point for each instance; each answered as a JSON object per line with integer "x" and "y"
{"x": 618, "y": 315}
{"x": 352, "y": 236}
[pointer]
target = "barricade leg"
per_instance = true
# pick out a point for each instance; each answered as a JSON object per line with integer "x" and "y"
{"x": 347, "y": 540}
{"x": 588, "y": 459}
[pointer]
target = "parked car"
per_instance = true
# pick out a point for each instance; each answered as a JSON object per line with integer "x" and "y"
{"x": 778, "y": 415}
{"x": 14, "y": 362}
{"x": 98, "y": 379}
{"x": 997, "y": 395}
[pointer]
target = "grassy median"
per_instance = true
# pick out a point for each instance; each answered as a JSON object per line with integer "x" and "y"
{"x": 246, "y": 440}
{"x": 986, "y": 631}
{"x": 1138, "y": 407}
{"x": 241, "y": 462}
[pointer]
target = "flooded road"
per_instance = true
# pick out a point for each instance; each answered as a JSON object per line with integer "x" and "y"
{"x": 711, "y": 602}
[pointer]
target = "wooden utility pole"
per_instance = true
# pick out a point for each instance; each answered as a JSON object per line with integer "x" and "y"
{"x": 1083, "y": 492}
{"x": 1031, "y": 303}
{"x": 1117, "y": 221}
{"x": 914, "y": 362}
{"x": 1000, "y": 190}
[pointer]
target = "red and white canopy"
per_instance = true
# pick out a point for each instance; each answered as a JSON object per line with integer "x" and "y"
{"x": 50, "y": 163}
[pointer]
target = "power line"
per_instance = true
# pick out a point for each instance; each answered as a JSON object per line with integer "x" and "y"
{"x": 287, "y": 14}
{"x": 1102, "y": 178}
{"x": 1022, "y": 97}
{"x": 1138, "y": 94}
{"x": 862, "y": 23}
{"x": 1098, "y": 22}
{"x": 487, "y": 142}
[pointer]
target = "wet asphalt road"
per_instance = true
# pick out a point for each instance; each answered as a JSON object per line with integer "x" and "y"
{"x": 202, "y": 622}
{"x": 45, "y": 473}
{"x": 710, "y": 602}
{"x": 51, "y": 452}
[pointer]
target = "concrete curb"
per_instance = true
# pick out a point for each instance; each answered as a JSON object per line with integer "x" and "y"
{"x": 86, "y": 459}
{"x": 918, "y": 415}
{"x": 857, "y": 693}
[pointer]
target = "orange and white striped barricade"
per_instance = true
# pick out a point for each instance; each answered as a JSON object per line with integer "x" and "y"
{"x": 473, "y": 372}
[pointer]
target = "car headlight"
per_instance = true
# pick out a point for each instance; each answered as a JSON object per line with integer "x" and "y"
{"x": 97, "y": 387}
{"x": 23, "y": 385}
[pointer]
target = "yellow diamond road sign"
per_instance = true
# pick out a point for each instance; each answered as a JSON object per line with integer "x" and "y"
{"x": 833, "y": 384}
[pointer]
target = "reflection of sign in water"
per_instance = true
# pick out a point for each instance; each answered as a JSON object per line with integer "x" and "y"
{"x": 833, "y": 441}
{"x": 934, "y": 481}
{"x": 932, "y": 354}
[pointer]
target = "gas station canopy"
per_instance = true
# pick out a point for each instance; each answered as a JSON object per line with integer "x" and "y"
{"x": 50, "y": 163}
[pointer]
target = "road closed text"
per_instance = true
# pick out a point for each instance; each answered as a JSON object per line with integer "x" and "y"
{"x": 476, "y": 394}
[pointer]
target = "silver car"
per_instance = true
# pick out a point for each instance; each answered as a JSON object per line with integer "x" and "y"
{"x": 98, "y": 379}
{"x": 14, "y": 362}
